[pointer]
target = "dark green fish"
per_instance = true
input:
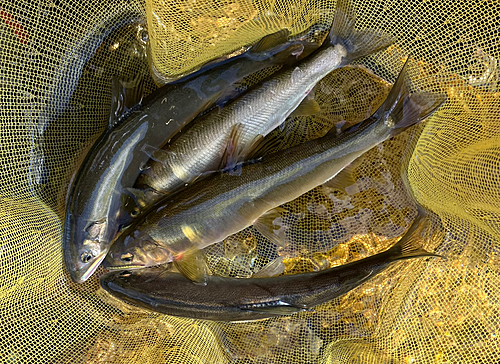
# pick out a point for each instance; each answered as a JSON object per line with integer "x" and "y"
{"x": 225, "y": 203}
{"x": 95, "y": 206}
{"x": 238, "y": 299}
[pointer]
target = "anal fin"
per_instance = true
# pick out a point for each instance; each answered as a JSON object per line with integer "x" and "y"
{"x": 157, "y": 154}
{"x": 236, "y": 153}
{"x": 265, "y": 225}
{"x": 345, "y": 178}
{"x": 308, "y": 107}
{"x": 142, "y": 197}
{"x": 272, "y": 269}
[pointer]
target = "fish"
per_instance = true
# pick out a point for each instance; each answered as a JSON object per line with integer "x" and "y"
{"x": 244, "y": 299}
{"x": 223, "y": 138}
{"x": 225, "y": 203}
{"x": 67, "y": 76}
{"x": 98, "y": 203}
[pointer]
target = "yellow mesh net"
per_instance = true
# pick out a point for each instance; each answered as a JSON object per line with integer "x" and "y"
{"x": 57, "y": 59}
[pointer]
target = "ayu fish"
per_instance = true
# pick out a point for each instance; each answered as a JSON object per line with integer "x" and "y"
{"x": 239, "y": 299}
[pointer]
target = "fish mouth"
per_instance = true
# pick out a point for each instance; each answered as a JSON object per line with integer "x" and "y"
{"x": 81, "y": 275}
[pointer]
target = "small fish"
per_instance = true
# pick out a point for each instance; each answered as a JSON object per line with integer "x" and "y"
{"x": 95, "y": 206}
{"x": 238, "y": 299}
{"x": 223, "y": 204}
{"x": 225, "y": 137}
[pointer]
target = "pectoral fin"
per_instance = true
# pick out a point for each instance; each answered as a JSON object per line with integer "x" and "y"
{"x": 192, "y": 265}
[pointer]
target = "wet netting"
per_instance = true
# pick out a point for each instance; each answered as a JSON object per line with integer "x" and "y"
{"x": 57, "y": 61}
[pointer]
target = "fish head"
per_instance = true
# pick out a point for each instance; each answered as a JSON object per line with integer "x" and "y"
{"x": 137, "y": 250}
{"x": 86, "y": 245}
{"x": 119, "y": 282}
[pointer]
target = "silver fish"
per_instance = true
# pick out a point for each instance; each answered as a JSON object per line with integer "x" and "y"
{"x": 237, "y": 299}
{"x": 224, "y": 204}
{"x": 202, "y": 148}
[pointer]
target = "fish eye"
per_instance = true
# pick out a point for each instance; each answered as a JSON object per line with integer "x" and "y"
{"x": 135, "y": 212}
{"x": 127, "y": 257}
{"x": 86, "y": 256}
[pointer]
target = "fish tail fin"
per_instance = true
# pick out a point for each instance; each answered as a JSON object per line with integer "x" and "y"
{"x": 408, "y": 247}
{"x": 402, "y": 109}
{"x": 357, "y": 43}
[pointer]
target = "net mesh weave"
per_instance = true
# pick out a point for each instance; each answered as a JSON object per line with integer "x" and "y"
{"x": 57, "y": 60}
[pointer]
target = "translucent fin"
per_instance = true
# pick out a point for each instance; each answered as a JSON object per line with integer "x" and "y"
{"x": 192, "y": 265}
{"x": 309, "y": 106}
{"x": 270, "y": 41}
{"x": 231, "y": 93}
{"x": 264, "y": 145}
{"x": 357, "y": 43}
{"x": 398, "y": 94}
{"x": 407, "y": 247}
{"x": 404, "y": 109}
{"x": 230, "y": 156}
{"x": 345, "y": 178}
{"x": 307, "y": 49}
{"x": 273, "y": 268}
{"x": 277, "y": 309}
{"x": 264, "y": 225}
{"x": 126, "y": 96}
{"x": 417, "y": 107}
{"x": 293, "y": 50}
{"x": 235, "y": 153}
{"x": 276, "y": 49}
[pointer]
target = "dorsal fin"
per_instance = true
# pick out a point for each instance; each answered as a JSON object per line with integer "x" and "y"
{"x": 270, "y": 41}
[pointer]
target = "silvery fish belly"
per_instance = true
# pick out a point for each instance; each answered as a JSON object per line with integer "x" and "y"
{"x": 235, "y": 299}
{"x": 224, "y": 203}
{"x": 234, "y": 129}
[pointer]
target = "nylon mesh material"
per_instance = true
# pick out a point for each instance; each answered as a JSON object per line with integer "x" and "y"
{"x": 57, "y": 60}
